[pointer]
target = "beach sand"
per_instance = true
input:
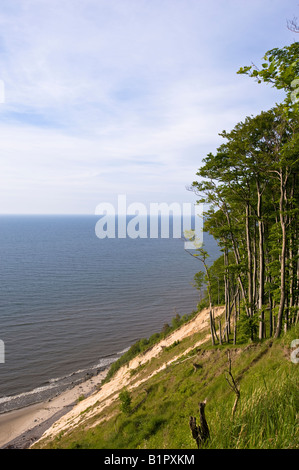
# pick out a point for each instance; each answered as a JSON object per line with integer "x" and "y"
{"x": 20, "y": 428}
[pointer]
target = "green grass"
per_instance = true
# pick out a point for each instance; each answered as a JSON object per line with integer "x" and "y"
{"x": 266, "y": 416}
{"x": 145, "y": 344}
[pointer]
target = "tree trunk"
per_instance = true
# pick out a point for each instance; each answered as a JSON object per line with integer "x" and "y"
{"x": 235, "y": 325}
{"x": 261, "y": 263}
{"x": 227, "y": 293}
{"x": 254, "y": 274}
{"x": 292, "y": 250}
{"x": 237, "y": 258}
{"x": 270, "y": 314}
{"x": 220, "y": 333}
{"x": 282, "y": 258}
{"x": 212, "y": 325}
{"x": 249, "y": 259}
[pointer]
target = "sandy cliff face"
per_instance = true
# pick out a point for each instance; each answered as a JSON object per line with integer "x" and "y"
{"x": 109, "y": 392}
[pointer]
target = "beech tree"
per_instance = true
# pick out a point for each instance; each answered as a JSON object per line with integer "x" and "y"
{"x": 281, "y": 69}
{"x": 250, "y": 187}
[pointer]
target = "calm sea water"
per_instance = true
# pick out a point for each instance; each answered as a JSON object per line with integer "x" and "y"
{"x": 71, "y": 303}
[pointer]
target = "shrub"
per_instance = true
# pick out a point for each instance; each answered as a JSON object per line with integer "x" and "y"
{"x": 125, "y": 401}
{"x": 247, "y": 328}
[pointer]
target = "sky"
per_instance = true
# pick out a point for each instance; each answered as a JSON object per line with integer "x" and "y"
{"x": 101, "y": 98}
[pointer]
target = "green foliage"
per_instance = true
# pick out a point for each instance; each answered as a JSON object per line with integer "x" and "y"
{"x": 216, "y": 275}
{"x": 250, "y": 186}
{"x": 280, "y": 67}
{"x": 265, "y": 418}
{"x": 176, "y": 321}
{"x": 173, "y": 345}
{"x": 247, "y": 328}
{"x": 199, "y": 279}
{"x": 145, "y": 344}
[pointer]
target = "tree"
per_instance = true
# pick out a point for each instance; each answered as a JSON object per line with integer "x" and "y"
{"x": 281, "y": 68}
{"x": 125, "y": 401}
{"x": 202, "y": 256}
{"x": 250, "y": 187}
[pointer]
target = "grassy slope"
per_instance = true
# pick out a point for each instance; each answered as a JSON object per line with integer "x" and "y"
{"x": 266, "y": 415}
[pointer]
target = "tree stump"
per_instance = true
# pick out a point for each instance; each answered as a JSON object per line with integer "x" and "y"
{"x": 201, "y": 432}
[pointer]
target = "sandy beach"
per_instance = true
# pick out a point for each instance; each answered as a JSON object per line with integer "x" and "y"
{"x": 20, "y": 428}
{"x": 109, "y": 391}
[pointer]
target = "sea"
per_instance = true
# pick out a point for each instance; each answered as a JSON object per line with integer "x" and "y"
{"x": 72, "y": 303}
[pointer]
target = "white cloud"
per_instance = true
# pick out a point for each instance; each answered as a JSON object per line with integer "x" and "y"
{"x": 105, "y": 97}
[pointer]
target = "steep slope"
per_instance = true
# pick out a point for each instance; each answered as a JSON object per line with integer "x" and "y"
{"x": 125, "y": 376}
{"x": 167, "y": 382}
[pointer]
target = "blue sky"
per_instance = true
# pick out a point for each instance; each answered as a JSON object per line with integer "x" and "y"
{"x": 109, "y": 97}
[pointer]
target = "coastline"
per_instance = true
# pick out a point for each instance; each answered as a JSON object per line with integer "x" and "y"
{"x": 22, "y": 427}
{"x": 109, "y": 391}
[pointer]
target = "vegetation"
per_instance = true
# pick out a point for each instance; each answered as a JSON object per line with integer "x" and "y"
{"x": 159, "y": 410}
{"x": 80, "y": 398}
{"x": 125, "y": 401}
{"x": 251, "y": 190}
{"x": 245, "y": 376}
{"x": 144, "y": 344}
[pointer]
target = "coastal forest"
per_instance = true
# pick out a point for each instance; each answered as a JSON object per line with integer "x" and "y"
{"x": 250, "y": 186}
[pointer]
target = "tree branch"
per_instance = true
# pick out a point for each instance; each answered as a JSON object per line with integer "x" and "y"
{"x": 232, "y": 383}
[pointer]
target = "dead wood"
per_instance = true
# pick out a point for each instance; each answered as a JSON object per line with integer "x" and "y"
{"x": 201, "y": 432}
